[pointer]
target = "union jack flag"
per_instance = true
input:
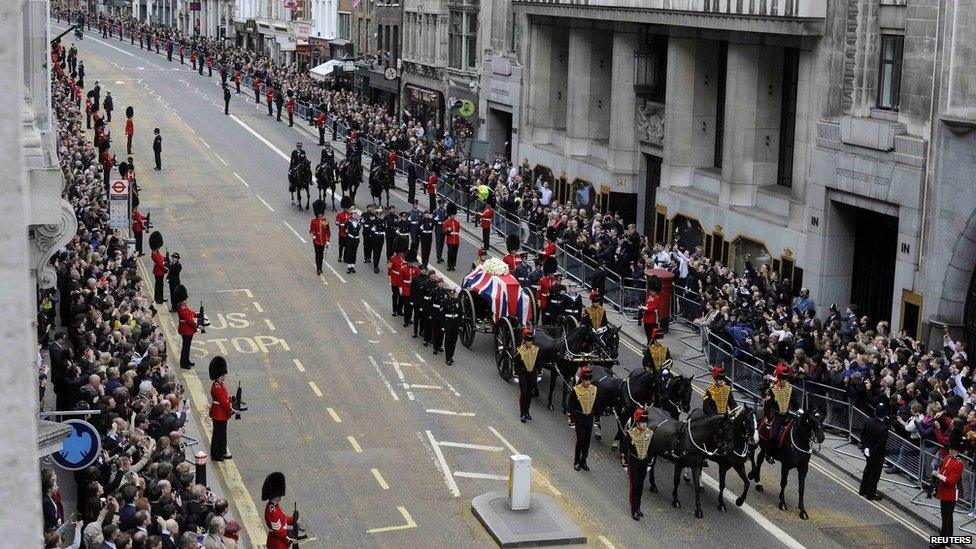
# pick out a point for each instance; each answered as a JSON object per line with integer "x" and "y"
{"x": 503, "y": 292}
{"x": 357, "y": 3}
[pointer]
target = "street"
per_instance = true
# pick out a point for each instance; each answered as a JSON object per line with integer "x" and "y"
{"x": 381, "y": 442}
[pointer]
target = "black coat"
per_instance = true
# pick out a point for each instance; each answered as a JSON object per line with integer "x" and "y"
{"x": 874, "y": 437}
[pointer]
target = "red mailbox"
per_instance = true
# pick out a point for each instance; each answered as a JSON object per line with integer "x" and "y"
{"x": 667, "y": 280}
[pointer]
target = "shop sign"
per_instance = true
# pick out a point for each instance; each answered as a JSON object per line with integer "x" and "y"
{"x": 423, "y": 95}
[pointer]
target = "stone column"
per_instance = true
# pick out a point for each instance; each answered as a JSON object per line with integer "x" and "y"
{"x": 20, "y": 482}
{"x": 623, "y": 159}
{"x": 539, "y": 119}
{"x": 579, "y": 100}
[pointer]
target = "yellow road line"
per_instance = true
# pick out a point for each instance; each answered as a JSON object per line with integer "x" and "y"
{"x": 406, "y": 516}
{"x": 335, "y": 416}
{"x": 315, "y": 388}
{"x": 298, "y": 364}
{"x": 355, "y": 445}
{"x": 379, "y": 478}
{"x": 257, "y": 307}
{"x": 271, "y": 326}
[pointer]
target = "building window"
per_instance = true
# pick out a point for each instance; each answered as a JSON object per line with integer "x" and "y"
{"x": 343, "y": 31}
{"x": 787, "y": 117}
{"x": 462, "y": 37}
{"x": 889, "y": 84}
{"x": 723, "y": 58}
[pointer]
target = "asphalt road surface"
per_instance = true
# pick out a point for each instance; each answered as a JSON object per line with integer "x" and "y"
{"x": 381, "y": 442}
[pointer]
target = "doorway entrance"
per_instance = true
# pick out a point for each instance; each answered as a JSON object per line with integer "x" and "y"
{"x": 873, "y": 276}
{"x": 652, "y": 167}
{"x": 500, "y": 132}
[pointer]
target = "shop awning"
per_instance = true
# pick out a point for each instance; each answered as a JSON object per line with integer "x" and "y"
{"x": 325, "y": 69}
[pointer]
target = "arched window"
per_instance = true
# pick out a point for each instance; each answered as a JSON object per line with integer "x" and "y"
{"x": 686, "y": 232}
{"x": 744, "y": 248}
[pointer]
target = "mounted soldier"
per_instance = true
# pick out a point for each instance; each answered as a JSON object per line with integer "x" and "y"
{"x": 595, "y": 315}
{"x": 718, "y": 397}
{"x": 780, "y": 405}
{"x": 657, "y": 355}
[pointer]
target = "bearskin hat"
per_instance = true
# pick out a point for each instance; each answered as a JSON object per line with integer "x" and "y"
{"x": 410, "y": 256}
{"x": 512, "y": 243}
{"x": 218, "y": 367}
{"x": 290, "y": 93}
{"x": 135, "y": 197}
{"x": 179, "y": 294}
{"x": 451, "y": 209}
{"x": 400, "y": 244}
{"x": 318, "y": 207}
{"x": 273, "y": 487}
{"x": 129, "y": 112}
{"x": 346, "y": 202}
{"x": 549, "y": 265}
{"x": 155, "y": 240}
{"x": 654, "y": 284}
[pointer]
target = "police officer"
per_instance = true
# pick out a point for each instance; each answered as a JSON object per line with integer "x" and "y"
{"x": 637, "y": 440}
{"x": 440, "y": 215}
{"x": 173, "y": 270}
{"x": 376, "y": 235}
{"x": 525, "y": 369}
{"x": 874, "y": 441}
{"x": 426, "y": 235}
{"x": 226, "y": 99}
{"x": 581, "y": 401}
{"x": 451, "y": 312}
{"x": 157, "y": 149}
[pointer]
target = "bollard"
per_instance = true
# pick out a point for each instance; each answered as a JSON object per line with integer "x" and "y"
{"x": 201, "y": 460}
{"x": 519, "y": 482}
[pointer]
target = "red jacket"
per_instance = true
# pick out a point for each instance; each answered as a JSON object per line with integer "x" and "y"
{"x": 320, "y": 231}
{"x": 512, "y": 260}
{"x": 396, "y": 263}
{"x": 407, "y": 272}
{"x": 452, "y": 230}
{"x": 432, "y": 184}
{"x": 277, "y": 522}
{"x": 340, "y": 222}
{"x": 159, "y": 263}
{"x": 549, "y": 249}
{"x": 138, "y": 222}
{"x": 290, "y": 105}
{"x": 269, "y": 94}
{"x": 129, "y": 127}
{"x": 220, "y": 408}
{"x": 320, "y": 120}
{"x": 188, "y": 321}
{"x": 542, "y": 295}
{"x": 391, "y": 161}
{"x": 652, "y": 309}
{"x": 486, "y": 217}
{"x": 951, "y": 469}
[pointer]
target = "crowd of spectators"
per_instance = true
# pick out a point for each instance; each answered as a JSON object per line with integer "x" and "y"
{"x": 107, "y": 355}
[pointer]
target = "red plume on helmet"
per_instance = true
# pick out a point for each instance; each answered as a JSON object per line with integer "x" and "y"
{"x": 640, "y": 415}
{"x": 718, "y": 372}
{"x": 783, "y": 371}
{"x": 528, "y": 333}
{"x": 595, "y": 297}
{"x": 655, "y": 333}
{"x": 586, "y": 373}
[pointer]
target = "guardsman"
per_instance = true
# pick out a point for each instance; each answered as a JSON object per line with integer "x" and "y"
{"x": 159, "y": 266}
{"x": 637, "y": 440}
{"x": 193, "y": 54}
{"x": 138, "y": 225}
{"x": 452, "y": 235}
{"x": 377, "y": 234}
{"x": 279, "y": 100}
{"x": 256, "y": 86}
{"x": 182, "y": 51}
{"x": 290, "y": 108}
{"x": 437, "y": 315}
{"x": 948, "y": 477}
{"x": 340, "y": 221}
{"x": 656, "y": 354}
{"x": 779, "y": 403}
{"x": 486, "y": 217}
{"x": 169, "y": 50}
{"x": 173, "y": 270}
{"x": 220, "y": 409}
{"x": 513, "y": 258}
{"x": 354, "y": 229}
{"x": 210, "y": 65}
{"x": 269, "y": 95}
{"x": 129, "y": 129}
{"x": 278, "y": 522}
{"x": 426, "y": 229}
{"x": 718, "y": 397}
{"x": 581, "y": 401}
{"x": 187, "y": 326}
{"x": 320, "y": 123}
{"x": 651, "y": 317}
{"x": 237, "y": 77}
{"x": 395, "y": 265}
{"x": 595, "y": 315}
{"x": 89, "y": 105}
{"x": 408, "y": 270}
{"x": 440, "y": 215}
{"x": 451, "y": 311}
{"x": 320, "y": 233}
{"x": 367, "y": 221}
{"x": 525, "y": 369}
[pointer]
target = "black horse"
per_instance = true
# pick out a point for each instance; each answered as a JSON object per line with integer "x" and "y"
{"x": 745, "y": 437}
{"x": 326, "y": 177}
{"x": 377, "y": 180}
{"x": 688, "y": 444}
{"x": 300, "y": 179}
{"x": 349, "y": 177}
{"x": 625, "y": 395}
{"x": 558, "y": 348}
{"x": 673, "y": 394}
{"x": 793, "y": 454}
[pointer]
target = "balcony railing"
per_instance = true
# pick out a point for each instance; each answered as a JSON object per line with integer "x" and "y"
{"x": 775, "y": 9}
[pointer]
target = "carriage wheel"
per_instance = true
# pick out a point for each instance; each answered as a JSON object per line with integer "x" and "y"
{"x": 504, "y": 347}
{"x": 535, "y": 308}
{"x": 570, "y": 323}
{"x": 467, "y": 318}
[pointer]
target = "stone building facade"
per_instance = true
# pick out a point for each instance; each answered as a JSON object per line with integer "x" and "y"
{"x": 833, "y": 144}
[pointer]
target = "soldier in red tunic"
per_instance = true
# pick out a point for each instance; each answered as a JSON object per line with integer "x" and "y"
{"x": 290, "y": 108}
{"x": 279, "y": 523}
{"x": 408, "y": 270}
{"x": 320, "y": 233}
{"x": 187, "y": 326}
{"x": 452, "y": 235}
{"x": 486, "y": 226}
{"x": 220, "y": 409}
{"x": 396, "y": 265}
{"x": 138, "y": 225}
{"x": 159, "y": 266}
{"x": 513, "y": 258}
{"x": 340, "y": 222}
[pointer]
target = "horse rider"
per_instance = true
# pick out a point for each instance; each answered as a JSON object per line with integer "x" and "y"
{"x": 779, "y": 405}
{"x": 581, "y": 401}
{"x": 595, "y": 315}
{"x": 525, "y": 369}
{"x": 637, "y": 440}
{"x": 718, "y": 397}
{"x": 655, "y": 353}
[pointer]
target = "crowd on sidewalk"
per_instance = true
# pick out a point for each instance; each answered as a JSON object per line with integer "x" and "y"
{"x": 107, "y": 355}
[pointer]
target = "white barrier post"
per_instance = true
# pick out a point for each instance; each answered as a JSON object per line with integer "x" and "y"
{"x": 519, "y": 482}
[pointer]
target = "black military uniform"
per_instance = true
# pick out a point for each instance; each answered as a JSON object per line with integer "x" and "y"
{"x": 279, "y": 99}
{"x": 173, "y": 269}
{"x": 390, "y": 221}
{"x": 226, "y": 99}
{"x": 419, "y": 295}
{"x": 451, "y": 313}
{"x": 437, "y": 315}
{"x": 581, "y": 401}
{"x": 158, "y": 149}
{"x": 637, "y": 440}
{"x": 440, "y": 214}
{"x": 572, "y": 305}
{"x": 376, "y": 235}
{"x": 874, "y": 441}
{"x": 367, "y": 221}
{"x": 353, "y": 231}
{"x": 426, "y": 236}
{"x": 403, "y": 228}
{"x": 525, "y": 367}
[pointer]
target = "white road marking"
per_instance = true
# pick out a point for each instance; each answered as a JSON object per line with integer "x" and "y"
{"x": 271, "y": 326}
{"x": 346, "y": 317}
{"x": 324, "y": 281}
{"x": 261, "y": 138}
{"x": 257, "y": 307}
{"x": 204, "y": 142}
{"x": 263, "y": 202}
{"x": 174, "y": 113}
{"x": 406, "y": 516}
{"x": 479, "y": 475}
{"x": 336, "y": 273}
{"x": 442, "y": 465}
{"x": 383, "y": 377}
{"x": 472, "y": 446}
{"x": 296, "y": 232}
{"x": 399, "y": 371}
{"x": 298, "y": 364}
{"x": 762, "y": 521}
{"x": 378, "y": 316}
{"x": 355, "y": 445}
{"x": 221, "y": 159}
{"x": 379, "y": 479}
{"x": 189, "y": 128}
{"x": 505, "y": 442}
{"x": 100, "y": 42}
{"x": 335, "y": 416}
{"x": 606, "y": 543}
{"x": 450, "y": 413}
{"x": 411, "y": 386}
{"x": 245, "y": 290}
{"x": 444, "y": 381}
{"x": 315, "y": 388}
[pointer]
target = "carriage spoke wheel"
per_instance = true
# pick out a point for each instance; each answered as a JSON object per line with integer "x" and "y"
{"x": 467, "y": 318}
{"x": 504, "y": 347}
